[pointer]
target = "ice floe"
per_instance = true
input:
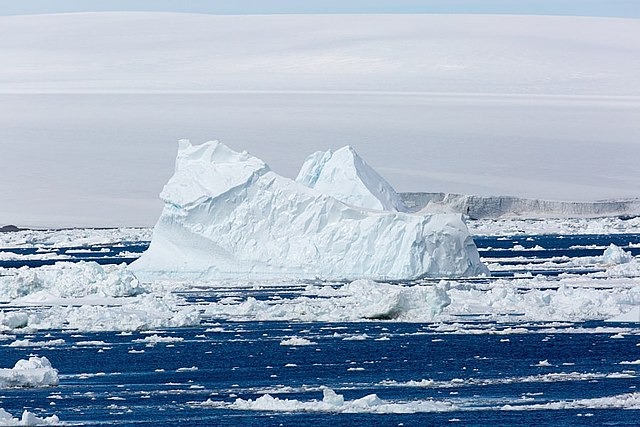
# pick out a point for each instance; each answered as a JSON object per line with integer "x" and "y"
{"x": 34, "y": 372}
{"x": 27, "y": 419}
{"x": 68, "y": 280}
{"x": 358, "y": 300}
{"x": 296, "y": 341}
{"x": 73, "y": 237}
{"x": 333, "y": 402}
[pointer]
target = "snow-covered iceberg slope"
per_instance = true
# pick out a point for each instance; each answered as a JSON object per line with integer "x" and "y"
{"x": 227, "y": 215}
{"x": 343, "y": 174}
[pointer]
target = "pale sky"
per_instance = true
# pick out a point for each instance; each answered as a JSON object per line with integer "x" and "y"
{"x": 609, "y": 8}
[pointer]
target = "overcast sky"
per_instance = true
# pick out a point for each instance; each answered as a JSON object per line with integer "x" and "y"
{"x": 615, "y": 8}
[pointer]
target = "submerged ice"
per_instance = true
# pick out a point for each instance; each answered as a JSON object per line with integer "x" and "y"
{"x": 227, "y": 215}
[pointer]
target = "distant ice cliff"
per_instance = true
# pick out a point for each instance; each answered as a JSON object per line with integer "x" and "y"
{"x": 484, "y": 207}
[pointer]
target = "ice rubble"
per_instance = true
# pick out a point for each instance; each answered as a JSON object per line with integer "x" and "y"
{"x": 34, "y": 372}
{"x": 73, "y": 237}
{"x": 88, "y": 296}
{"x": 69, "y": 280}
{"x": 148, "y": 311}
{"x": 567, "y": 299}
{"x": 615, "y": 255}
{"x": 27, "y": 419}
{"x": 227, "y": 215}
{"x": 343, "y": 174}
{"x": 358, "y": 300}
{"x": 333, "y": 402}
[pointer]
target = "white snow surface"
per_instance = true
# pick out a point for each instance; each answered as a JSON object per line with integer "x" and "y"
{"x": 514, "y": 226}
{"x": 73, "y": 237}
{"x": 68, "y": 280}
{"x": 343, "y": 174}
{"x": 144, "y": 312}
{"x": 355, "y": 301}
{"x": 227, "y": 215}
{"x": 465, "y": 104}
{"x": 334, "y": 402}
{"x": 27, "y": 419}
{"x": 34, "y": 372}
{"x": 572, "y": 301}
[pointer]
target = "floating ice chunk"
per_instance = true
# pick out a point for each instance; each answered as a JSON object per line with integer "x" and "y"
{"x": 13, "y": 319}
{"x": 147, "y": 311}
{"x": 34, "y": 372}
{"x": 155, "y": 339}
{"x": 614, "y": 255}
{"x": 29, "y": 343}
{"x": 343, "y": 174}
{"x": 67, "y": 280}
{"x": 297, "y": 341}
{"x": 28, "y": 419}
{"x": 227, "y": 215}
{"x": 333, "y": 402}
{"x": 620, "y": 401}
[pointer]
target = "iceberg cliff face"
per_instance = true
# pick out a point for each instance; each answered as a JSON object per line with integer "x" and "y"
{"x": 227, "y": 215}
{"x": 343, "y": 174}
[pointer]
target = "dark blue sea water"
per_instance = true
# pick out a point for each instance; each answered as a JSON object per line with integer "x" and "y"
{"x": 121, "y": 379}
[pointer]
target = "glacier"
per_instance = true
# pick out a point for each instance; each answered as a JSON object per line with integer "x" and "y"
{"x": 227, "y": 215}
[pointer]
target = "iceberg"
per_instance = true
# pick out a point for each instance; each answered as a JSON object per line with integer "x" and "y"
{"x": 343, "y": 174}
{"x": 228, "y": 216}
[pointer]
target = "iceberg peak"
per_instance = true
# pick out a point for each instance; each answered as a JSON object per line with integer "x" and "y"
{"x": 345, "y": 175}
{"x": 207, "y": 171}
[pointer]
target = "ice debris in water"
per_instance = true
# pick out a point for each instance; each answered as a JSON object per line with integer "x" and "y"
{"x": 28, "y": 419}
{"x": 333, "y": 402}
{"x": 614, "y": 255}
{"x": 147, "y": 311}
{"x": 297, "y": 341}
{"x": 68, "y": 280}
{"x": 227, "y": 215}
{"x": 361, "y": 299}
{"x": 34, "y": 372}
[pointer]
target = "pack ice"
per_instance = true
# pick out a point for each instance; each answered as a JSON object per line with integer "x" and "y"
{"x": 227, "y": 215}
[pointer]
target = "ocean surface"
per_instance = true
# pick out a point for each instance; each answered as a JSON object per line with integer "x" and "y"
{"x": 474, "y": 371}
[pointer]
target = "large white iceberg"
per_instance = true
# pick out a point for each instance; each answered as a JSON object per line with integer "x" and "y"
{"x": 227, "y": 215}
{"x": 343, "y": 174}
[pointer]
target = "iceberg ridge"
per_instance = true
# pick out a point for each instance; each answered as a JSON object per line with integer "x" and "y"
{"x": 343, "y": 174}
